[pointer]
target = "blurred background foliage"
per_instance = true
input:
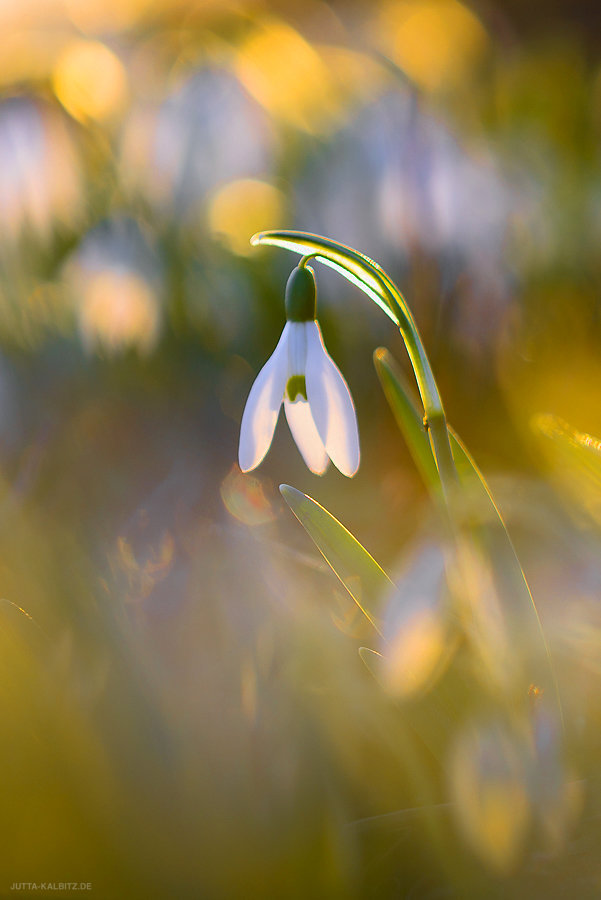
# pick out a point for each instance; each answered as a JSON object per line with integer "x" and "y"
{"x": 185, "y": 713}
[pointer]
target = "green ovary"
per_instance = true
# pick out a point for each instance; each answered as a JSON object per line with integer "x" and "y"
{"x": 296, "y": 385}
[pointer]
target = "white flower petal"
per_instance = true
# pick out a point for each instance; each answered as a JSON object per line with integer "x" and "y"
{"x": 263, "y": 406}
{"x": 331, "y": 404}
{"x": 297, "y": 348}
{"x": 305, "y": 435}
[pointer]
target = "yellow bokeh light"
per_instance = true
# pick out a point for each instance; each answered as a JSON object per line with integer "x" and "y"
{"x": 118, "y": 310}
{"x": 90, "y": 81}
{"x": 287, "y": 76}
{"x": 436, "y": 42}
{"x": 243, "y": 207}
{"x": 415, "y": 653}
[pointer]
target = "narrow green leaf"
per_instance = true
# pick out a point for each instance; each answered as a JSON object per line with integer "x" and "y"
{"x": 410, "y": 422}
{"x": 358, "y": 571}
{"x": 408, "y": 418}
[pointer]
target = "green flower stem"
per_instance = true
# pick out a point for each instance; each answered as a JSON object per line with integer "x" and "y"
{"x": 373, "y": 281}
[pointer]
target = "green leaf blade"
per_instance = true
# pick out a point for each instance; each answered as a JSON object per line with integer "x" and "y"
{"x": 362, "y": 576}
{"x": 399, "y": 396}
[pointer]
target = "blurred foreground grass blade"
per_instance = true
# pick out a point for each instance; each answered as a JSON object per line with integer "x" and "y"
{"x": 372, "y": 660}
{"x": 421, "y": 751}
{"x": 582, "y": 446}
{"x": 523, "y": 624}
{"x": 576, "y": 460}
{"x": 491, "y": 532}
{"x": 361, "y": 575}
{"x": 408, "y": 418}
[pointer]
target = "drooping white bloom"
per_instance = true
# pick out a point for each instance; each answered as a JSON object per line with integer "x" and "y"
{"x": 317, "y": 402}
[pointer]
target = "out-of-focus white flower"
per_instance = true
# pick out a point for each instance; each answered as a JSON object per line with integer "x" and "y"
{"x": 40, "y": 179}
{"x": 301, "y": 374}
{"x": 207, "y": 133}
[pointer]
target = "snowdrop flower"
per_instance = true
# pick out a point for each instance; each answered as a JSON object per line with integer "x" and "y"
{"x": 301, "y": 374}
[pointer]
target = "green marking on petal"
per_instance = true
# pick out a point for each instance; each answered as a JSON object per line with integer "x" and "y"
{"x": 296, "y": 385}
